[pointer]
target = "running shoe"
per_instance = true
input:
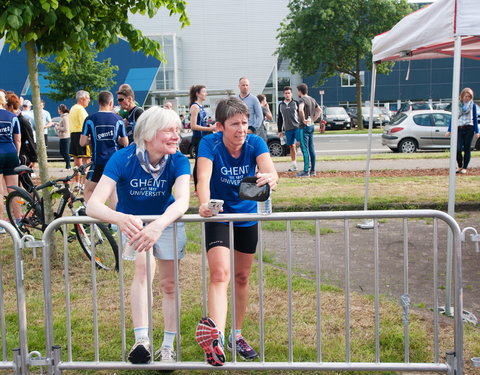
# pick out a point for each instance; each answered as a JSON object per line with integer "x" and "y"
{"x": 166, "y": 354}
{"x": 245, "y": 351}
{"x": 140, "y": 352}
{"x": 293, "y": 168}
{"x": 209, "y": 338}
{"x": 302, "y": 174}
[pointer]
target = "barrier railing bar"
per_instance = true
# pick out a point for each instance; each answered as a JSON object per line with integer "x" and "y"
{"x": 347, "y": 289}
{"x": 149, "y": 298}
{"x": 176, "y": 274}
{"x": 94, "y": 293}
{"x": 121, "y": 287}
{"x": 2, "y": 315}
{"x": 435, "y": 291}
{"x": 204, "y": 270}
{"x": 458, "y": 288}
{"x": 376, "y": 264}
{"x": 290, "y": 292}
{"x": 67, "y": 291}
{"x": 260, "y": 292}
{"x": 318, "y": 286}
{"x": 233, "y": 291}
{"x": 405, "y": 289}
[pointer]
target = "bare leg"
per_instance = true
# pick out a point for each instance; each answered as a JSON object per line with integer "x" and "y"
{"x": 167, "y": 285}
{"x": 138, "y": 294}
{"x": 293, "y": 152}
{"x": 10, "y": 180}
{"x": 243, "y": 266}
{"x": 219, "y": 264}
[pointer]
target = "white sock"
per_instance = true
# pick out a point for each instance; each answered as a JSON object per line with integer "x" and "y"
{"x": 141, "y": 333}
{"x": 168, "y": 338}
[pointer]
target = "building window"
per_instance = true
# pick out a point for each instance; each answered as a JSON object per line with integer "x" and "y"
{"x": 349, "y": 80}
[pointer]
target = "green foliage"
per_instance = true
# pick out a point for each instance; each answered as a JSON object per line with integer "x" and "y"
{"x": 62, "y": 27}
{"x": 81, "y": 72}
{"x": 334, "y": 35}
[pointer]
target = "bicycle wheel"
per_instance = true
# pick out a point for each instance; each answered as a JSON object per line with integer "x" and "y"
{"x": 106, "y": 248}
{"x": 28, "y": 219}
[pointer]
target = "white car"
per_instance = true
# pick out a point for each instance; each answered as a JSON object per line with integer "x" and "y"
{"x": 413, "y": 130}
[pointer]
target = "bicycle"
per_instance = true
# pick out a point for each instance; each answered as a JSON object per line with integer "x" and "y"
{"x": 25, "y": 209}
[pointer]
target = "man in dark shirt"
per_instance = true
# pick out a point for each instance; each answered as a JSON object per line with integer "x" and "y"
{"x": 288, "y": 123}
{"x": 126, "y": 100}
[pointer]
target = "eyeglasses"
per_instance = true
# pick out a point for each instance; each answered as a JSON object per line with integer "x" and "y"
{"x": 120, "y": 100}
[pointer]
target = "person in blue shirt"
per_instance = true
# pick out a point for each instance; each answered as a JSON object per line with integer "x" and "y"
{"x": 144, "y": 174}
{"x": 10, "y": 140}
{"x": 104, "y": 131}
{"x": 224, "y": 159}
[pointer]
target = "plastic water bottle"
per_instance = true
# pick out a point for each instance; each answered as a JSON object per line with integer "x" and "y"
{"x": 129, "y": 252}
{"x": 265, "y": 208}
{"x": 283, "y": 140}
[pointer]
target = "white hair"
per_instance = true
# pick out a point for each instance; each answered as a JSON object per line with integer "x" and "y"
{"x": 81, "y": 94}
{"x": 152, "y": 120}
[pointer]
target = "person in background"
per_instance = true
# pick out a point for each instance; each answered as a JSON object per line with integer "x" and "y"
{"x": 255, "y": 121}
{"x": 224, "y": 159}
{"x": 151, "y": 178}
{"x": 10, "y": 140}
{"x": 267, "y": 114}
{"x": 309, "y": 111}
{"x": 47, "y": 121}
{"x": 104, "y": 131}
{"x": 63, "y": 130}
{"x": 467, "y": 129}
{"x": 198, "y": 121}
{"x": 168, "y": 105}
{"x": 28, "y": 148}
{"x": 81, "y": 155}
{"x": 126, "y": 100}
{"x": 288, "y": 124}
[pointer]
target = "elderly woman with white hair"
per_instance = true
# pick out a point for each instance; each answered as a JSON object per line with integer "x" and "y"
{"x": 144, "y": 175}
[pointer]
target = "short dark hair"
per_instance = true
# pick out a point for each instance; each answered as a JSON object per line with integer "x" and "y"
{"x": 104, "y": 98}
{"x": 126, "y": 90}
{"x": 194, "y": 90}
{"x": 303, "y": 88}
{"x": 286, "y": 88}
{"x": 230, "y": 107}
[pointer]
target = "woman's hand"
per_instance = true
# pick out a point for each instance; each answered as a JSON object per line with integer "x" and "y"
{"x": 146, "y": 238}
{"x": 266, "y": 178}
{"x": 204, "y": 211}
{"x": 477, "y": 135}
{"x": 447, "y": 134}
{"x": 130, "y": 225}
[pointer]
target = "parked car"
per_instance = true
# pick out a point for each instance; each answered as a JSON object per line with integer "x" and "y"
{"x": 386, "y": 115}
{"x": 410, "y": 131}
{"x": 53, "y": 146}
{"x": 273, "y": 142}
{"x": 377, "y": 116}
{"x": 336, "y": 118}
{"x": 414, "y": 106}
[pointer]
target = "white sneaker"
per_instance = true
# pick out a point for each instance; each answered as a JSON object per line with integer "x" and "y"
{"x": 166, "y": 354}
{"x": 140, "y": 352}
{"x": 292, "y": 168}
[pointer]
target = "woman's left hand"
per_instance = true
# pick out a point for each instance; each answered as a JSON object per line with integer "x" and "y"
{"x": 477, "y": 135}
{"x": 146, "y": 238}
{"x": 266, "y": 178}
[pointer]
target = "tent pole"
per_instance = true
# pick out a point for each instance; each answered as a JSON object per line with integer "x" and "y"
{"x": 368, "y": 224}
{"x": 453, "y": 165}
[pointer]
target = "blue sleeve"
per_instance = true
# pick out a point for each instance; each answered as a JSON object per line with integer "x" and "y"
{"x": 475, "y": 118}
{"x": 16, "y": 126}
{"x": 259, "y": 145}
{"x": 182, "y": 165}
{"x": 114, "y": 168}
{"x": 121, "y": 131}
{"x": 86, "y": 127}
{"x": 205, "y": 147}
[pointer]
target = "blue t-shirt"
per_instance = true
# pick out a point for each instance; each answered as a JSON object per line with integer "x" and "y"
{"x": 201, "y": 120}
{"x": 9, "y": 126}
{"x": 228, "y": 171}
{"x": 138, "y": 192}
{"x": 104, "y": 128}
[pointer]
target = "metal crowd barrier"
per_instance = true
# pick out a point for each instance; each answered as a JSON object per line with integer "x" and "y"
{"x": 58, "y": 359}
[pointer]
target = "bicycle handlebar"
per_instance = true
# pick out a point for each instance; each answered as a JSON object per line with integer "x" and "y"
{"x": 76, "y": 170}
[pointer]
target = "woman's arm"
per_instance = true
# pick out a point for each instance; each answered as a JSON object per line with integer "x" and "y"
{"x": 128, "y": 224}
{"x": 204, "y": 174}
{"x": 146, "y": 238}
{"x": 193, "y": 121}
{"x": 267, "y": 173}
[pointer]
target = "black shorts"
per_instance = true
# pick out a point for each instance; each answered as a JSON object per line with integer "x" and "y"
{"x": 244, "y": 238}
{"x": 75, "y": 149}
{"x": 8, "y": 161}
{"x": 97, "y": 172}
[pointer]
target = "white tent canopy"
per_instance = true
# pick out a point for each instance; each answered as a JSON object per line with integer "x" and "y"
{"x": 445, "y": 28}
{"x": 429, "y": 33}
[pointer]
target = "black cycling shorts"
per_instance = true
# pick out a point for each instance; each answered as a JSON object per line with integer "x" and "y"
{"x": 244, "y": 238}
{"x": 97, "y": 173}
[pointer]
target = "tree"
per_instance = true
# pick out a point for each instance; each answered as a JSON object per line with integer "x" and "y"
{"x": 332, "y": 37}
{"x": 80, "y": 72}
{"x": 63, "y": 27}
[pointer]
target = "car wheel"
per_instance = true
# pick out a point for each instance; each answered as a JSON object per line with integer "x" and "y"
{"x": 275, "y": 148}
{"x": 408, "y": 146}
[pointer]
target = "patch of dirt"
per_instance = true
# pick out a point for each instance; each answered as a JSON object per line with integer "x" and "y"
{"x": 386, "y": 173}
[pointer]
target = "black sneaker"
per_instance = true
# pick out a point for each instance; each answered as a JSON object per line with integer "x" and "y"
{"x": 244, "y": 350}
{"x": 140, "y": 352}
{"x": 302, "y": 174}
{"x": 209, "y": 338}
